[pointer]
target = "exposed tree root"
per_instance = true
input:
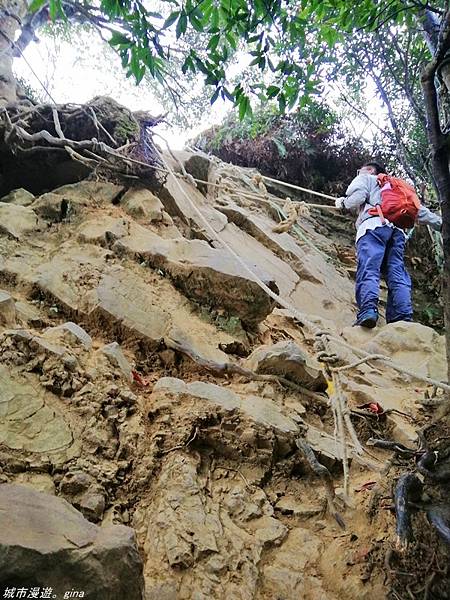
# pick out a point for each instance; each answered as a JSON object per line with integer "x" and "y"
{"x": 68, "y": 142}
{"x": 325, "y": 475}
{"x": 408, "y": 489}
{"x": 439, "y": 517}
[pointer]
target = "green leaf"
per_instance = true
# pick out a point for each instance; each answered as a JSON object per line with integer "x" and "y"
{"x": 188, "y": 65}
{"x": 139, "y": 74}
{"x": 181, "y": 24}
{"x": 56, "y": 10}
{"x": 119, "y": 39}
{"x": 227, "y": 94}
{"x": 196, "y": 22}
{"x": 282, "y": 102}
{"x": 272, "y": 91}
{"x": 211, "y": 79}
{"x": 150, "y": 63}
{"x": 171, "y": 19}
{"x": 215, "y": 95}
{"x": 231, "y": 40}
{"x": 243, "y": 108}
{"x": 36, "y": 5}
{"x": 201, "y": 66}
{"x": 214, "y": 20}
{"x": 213, "y": 42}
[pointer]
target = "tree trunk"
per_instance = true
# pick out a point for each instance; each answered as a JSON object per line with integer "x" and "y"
{"x": 11, "y": 14}
{"x": 440, "y": 151}
{"x": 442, "y": 174}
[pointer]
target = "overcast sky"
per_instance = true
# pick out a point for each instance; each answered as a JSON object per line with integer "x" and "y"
{"x": 79, "y": 67}
{"x": 76, "y": 74}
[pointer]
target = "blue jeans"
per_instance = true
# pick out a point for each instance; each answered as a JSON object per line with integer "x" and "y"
{"x": 380, "y": 251}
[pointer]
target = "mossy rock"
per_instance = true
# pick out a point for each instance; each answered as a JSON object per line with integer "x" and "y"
{"x": 116, "y": 119}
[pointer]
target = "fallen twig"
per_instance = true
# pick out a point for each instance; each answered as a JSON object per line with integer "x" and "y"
{"x": 182, "y": 446}
{"x": 388, "y": 445}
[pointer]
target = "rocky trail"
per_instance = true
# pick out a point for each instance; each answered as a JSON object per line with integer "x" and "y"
{"x": 152, "y": 397}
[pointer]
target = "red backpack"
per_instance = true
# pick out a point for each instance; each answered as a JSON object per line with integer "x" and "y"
{"x": 399, "y": 202}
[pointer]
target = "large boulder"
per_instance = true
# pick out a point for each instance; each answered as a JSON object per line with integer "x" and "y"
{"x": 46, "y": 543}
{"x": 20, "y": 196}
{"x": 287, "y": 360}
{"x": 413, "y": 345}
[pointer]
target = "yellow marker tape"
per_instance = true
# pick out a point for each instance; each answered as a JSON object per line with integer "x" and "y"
{"x": 330, "y": 389}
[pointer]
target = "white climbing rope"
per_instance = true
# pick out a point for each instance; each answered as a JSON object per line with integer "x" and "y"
{"x": 301, "y": 189}
{"x": 386, "y": 360}
{"x": 338, "y": 402}
{"x": 288, "y": 306}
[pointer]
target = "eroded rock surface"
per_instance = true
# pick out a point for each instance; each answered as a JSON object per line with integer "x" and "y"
{"x": 45, "y": 542}
{"x": 204, "y": 274}
{"x": 29, "y": 420}
{"x": 288, "y": 360}
{"x": 140, "y": 370}
{"x": 16, "y": 221}
{"x": 20, "y": 196}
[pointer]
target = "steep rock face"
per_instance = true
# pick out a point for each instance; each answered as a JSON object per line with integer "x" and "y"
{"x": 148, "y": 380}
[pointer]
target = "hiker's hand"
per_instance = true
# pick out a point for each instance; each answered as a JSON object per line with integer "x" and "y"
{"x": 339, "y": 203}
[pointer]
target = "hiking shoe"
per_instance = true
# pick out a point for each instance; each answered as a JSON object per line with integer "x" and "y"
{"x": 367, "y": 319}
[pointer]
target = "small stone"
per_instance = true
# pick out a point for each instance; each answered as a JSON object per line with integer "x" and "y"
{"x": 112, "y": 391}
{"x": 7, "y": 309}
{"x": 287, "y": 359}
{"x": 128, "y": 396}
{"x": 142, "y": 203}
{"x": 249, "y": 436}
{"x": 70, "y": 333}
{"x": 117, "y": 358}
{"x": 17, "y": 221}
{"x": 75, "y": 483}
{"x": 168, "y": 358}
{"x": 27, "y": 314}
{"x": 92, "y": 505}
{"x": 70, "y": 363}
{"x": 269, "y": 530}
{"x": 87, "y": 389}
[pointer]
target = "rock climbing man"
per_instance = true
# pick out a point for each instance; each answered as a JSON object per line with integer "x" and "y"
{"x": 380, "y": 245}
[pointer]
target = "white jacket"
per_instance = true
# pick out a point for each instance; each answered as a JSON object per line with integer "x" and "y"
{"x": 363, "y": 193}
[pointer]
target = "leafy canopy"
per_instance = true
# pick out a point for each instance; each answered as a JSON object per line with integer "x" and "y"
{"x": 287, "y": 42}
